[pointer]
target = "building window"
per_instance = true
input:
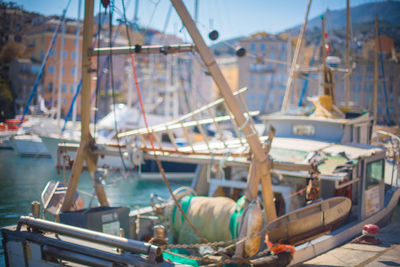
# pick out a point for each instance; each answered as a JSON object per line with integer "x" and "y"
{"x": 262, "y": 47}
{"x": 73, "y": 55}
{"x": 65, "y": 54}
{"x": 64, "y": 87}
{"x": 76, "y": 42}
{"x": 272, "y": 54}
{"x": 314, "y": 76}
{"x": 357, "y": 78}
{"x": 261, "y": 81}
{"x": 50, "y": 87}
{"x": 283, "y": 56}
{"x": 271, "y": 98}
{"x": 252, "y": 47}
{"x": 63, "y": 70}
{"x": 71, "y": 89}
{"x": 271, "y": 106}
{"x": 35, "y": 69}
{"x": 73, "y": 70}
{"x": 272, "y": 46}
{"x": 251, "y": 81}
{"x": 51, "y": 69}
{"x": 64, "y": 100}
{"x": 41, "y": 54}
{"x": 283, "y": 47}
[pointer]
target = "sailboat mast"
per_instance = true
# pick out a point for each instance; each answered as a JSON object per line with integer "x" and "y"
{"x": 347, "y": 82}
{"x": 325, "y": 90}
{"x": 376, "y": 77}
{"x": 288, "y": 91}
{"x": 60, "y": 76}
{"x": 244, "y": 124}
{"x": 76, "y": 59}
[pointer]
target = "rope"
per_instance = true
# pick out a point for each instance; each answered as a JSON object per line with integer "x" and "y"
{"x": 203, "y": 239}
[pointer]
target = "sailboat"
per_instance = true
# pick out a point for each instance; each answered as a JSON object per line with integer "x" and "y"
{"x": 195, "y": 230}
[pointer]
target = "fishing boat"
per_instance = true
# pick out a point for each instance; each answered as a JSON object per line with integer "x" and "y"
{"x": 331, "y": 191}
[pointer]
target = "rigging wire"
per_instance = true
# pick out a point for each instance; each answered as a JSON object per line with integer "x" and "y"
{"x": 97, "y": 74}
{"x": 151, "y": 16}
{"x": 203, "y": 239}
{"x": 384, "y": 80}
{"x": 112, "y": 85}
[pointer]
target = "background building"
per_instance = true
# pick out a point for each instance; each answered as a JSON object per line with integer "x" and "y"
{"x": 264, "y": 70}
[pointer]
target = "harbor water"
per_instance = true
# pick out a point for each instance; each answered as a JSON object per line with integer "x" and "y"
{"x": 22, "y": 180}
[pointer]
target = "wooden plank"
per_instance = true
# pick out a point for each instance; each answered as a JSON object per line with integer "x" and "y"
{"x": 181, "y": 124}
{"x": 91, "y": 164}
{"x": 74, "y": 176}
{"x": 221, "y": 134}
{"x": 172, "y": 138}
{"x": 187, "y": 136}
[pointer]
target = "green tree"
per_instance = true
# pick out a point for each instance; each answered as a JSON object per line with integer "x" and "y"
{"x": 6, "y": 101}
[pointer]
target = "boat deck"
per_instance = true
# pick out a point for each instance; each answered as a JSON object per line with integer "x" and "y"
{"x": 351, "y": 254}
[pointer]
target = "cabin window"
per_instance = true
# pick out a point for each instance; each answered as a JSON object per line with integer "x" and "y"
{"x": 304, "y": 130}
{"x": 374, "y": 173}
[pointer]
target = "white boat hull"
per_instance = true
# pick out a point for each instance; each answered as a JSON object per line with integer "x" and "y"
{"x": 29, "y": 146}
{"x": 115, "y": 162}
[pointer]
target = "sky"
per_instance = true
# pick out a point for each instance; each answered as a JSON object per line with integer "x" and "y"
{"x": 232, "y": 18}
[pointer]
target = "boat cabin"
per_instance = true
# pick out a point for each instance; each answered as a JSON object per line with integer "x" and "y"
{"x": 354, "y": 170}
{"x": 356, "y": 127}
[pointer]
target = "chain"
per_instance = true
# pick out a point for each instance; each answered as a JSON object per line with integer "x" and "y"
{"x": 210, "y": 244}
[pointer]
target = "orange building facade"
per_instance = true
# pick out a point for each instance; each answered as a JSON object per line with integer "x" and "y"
{"x": 59, "y": 74}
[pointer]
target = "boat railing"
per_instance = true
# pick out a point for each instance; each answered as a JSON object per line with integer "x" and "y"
{"x": 133, "y": 246}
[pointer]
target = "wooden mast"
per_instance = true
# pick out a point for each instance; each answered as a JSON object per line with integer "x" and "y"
{"x": 261, "y": 158}
{"x": 86, "y": 139}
